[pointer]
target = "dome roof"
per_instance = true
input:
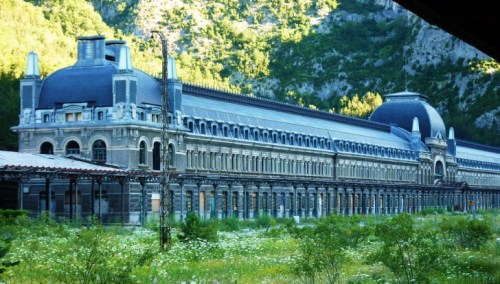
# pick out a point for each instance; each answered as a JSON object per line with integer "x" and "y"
{"x": 399, "y": 109}
{"x": 94, "y": 85}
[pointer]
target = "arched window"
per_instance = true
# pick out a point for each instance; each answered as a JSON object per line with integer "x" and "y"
{"x": 47, "y": 148}
{"x": 202, "y": 128}
{"x": 438, "y": 170}
{"x": 72, "y": 148}
{"x": 99, "y": 151}
{"x": 171, "y": 155}
{"x": 142, "y": 153}
{"x": 156, "y": 156}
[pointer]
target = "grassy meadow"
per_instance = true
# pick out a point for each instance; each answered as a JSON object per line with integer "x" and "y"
{"x": 434, "y": 248}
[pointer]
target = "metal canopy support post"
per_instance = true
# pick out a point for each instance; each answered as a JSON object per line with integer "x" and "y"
{"x": 47, "y": 195}
{"x": 165, "y": 190}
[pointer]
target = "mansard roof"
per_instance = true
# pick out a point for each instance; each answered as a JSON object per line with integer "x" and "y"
{"x": 94, "y": 85}
{"x": 214, "y": 105}
{"x": 474, "y": 155}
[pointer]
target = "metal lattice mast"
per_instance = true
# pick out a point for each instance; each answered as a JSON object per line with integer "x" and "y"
{"x": 165, "y": 189}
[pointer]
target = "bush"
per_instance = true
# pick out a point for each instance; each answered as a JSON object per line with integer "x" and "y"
{"x": 8, "y": 216}
{"x": 229, "y": 224}
{"x": 195, "y": 229}
{"x": 414, "y": 256}
{"x": 469, "y": 233}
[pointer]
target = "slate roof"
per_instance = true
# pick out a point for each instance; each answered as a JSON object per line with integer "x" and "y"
{"x": 254, "y": 116}
{"x": 401, "y": 112}
{"x": 94, "y": 85}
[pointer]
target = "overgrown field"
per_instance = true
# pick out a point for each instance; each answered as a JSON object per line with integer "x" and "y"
{"x": 437, "y": 248}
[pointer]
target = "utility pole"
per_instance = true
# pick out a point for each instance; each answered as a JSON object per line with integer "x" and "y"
{"x": 165, "y": 188}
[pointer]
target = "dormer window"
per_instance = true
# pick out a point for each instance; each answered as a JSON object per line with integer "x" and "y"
{"x": 155, "y": 117}
{"x": 202, "y": 128}
{"x": 100, "y": 115}
{"x": 74, "y": 116}
{"x": 46, "y": 118}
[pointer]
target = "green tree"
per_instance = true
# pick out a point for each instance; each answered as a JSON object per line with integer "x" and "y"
{"x": 413, "y": 255}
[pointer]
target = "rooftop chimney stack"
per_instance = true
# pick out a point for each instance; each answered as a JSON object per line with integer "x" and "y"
{"x": 91, "y": 50}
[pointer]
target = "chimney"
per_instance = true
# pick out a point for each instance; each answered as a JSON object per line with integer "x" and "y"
{"x": 91, "y": 50}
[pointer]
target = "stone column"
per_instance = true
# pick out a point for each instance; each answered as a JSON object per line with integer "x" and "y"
{"x": 340, "y": 205}
{"x": 349, "y": 201}
{"x": 207, "y": 204}
{"x": 395, "y": 198}
{"x": 241, "y": 204}
{"x": 294, "y": 207}
{"x": 229, "y": 201}
{"x": 355, "y": 201}
{"x": 372, "y": 201}
{"x": 401, "y": 201}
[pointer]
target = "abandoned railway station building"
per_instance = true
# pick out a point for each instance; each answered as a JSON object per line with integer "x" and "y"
{"x": 232, "y": 155}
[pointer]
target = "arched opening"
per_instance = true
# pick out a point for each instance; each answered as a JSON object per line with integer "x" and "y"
{"x": 142, "y": 153}
{"x": 72, "y": 148}
{"x": 47, "y": 148}
{"x": 156, "y": 156}
{"x": 438, "y": 170}
{"x": 99, "y": 151}
{"x": 171, "y": 155}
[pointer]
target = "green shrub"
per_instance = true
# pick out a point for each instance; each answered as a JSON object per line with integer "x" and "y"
{"x": 7, "y": 216}
{"x": 468, "y": 232}
{"x": 414, "y": 256}
{"x": 229, "y": 224}
{"x": 195, "y": 229}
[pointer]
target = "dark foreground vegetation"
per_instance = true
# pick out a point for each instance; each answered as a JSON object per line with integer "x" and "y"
{"x": 429, "y": 248}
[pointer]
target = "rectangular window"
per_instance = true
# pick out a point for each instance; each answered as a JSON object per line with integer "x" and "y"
{"x": 189, "y": 201}
{"x": 70, "y": 117}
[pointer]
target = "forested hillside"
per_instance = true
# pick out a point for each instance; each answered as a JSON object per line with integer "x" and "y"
{"x": 334, "y": 55}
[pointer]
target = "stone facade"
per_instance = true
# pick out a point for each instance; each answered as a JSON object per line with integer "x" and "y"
{"x": 232, "y": 155}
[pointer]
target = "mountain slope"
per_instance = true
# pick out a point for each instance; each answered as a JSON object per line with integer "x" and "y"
{"x": 324, "y": 54}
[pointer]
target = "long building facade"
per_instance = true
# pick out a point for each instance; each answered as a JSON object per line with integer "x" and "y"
{"x": 238, "y": 156}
